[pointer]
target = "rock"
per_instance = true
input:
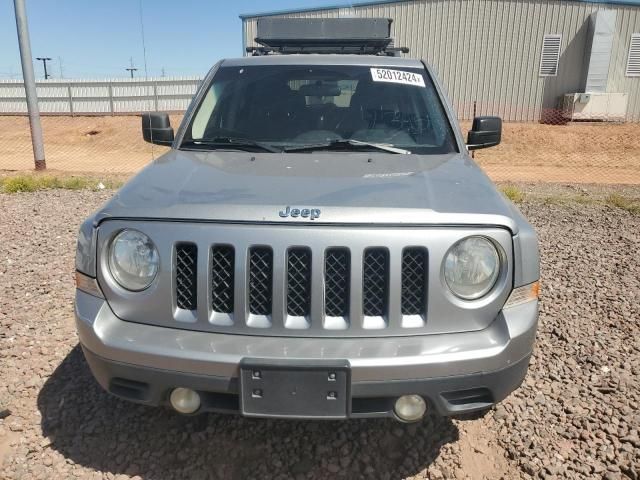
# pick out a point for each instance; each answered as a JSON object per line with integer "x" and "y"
{"x": 500, "y": 413}
{"x": 632, "y": 439}
{"x": 540, "y": 399}
{"x": 435, "y": 474}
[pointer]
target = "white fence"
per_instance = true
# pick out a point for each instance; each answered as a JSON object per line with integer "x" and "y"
{"x": 101, "y": 97}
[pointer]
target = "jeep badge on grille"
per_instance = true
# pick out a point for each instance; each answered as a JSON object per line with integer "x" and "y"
{"x": 311, "y": 213}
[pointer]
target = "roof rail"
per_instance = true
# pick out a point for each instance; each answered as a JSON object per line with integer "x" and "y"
{"x": 357, "y": 36}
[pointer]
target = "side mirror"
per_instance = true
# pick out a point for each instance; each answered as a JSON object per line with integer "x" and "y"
{"x": 485, "y": 132}
{"x": 156, "y": 128}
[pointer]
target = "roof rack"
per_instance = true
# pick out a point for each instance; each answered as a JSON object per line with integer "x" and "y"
{"x": 358, "y": 36}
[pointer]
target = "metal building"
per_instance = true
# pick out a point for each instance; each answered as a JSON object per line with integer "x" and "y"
{"x": 525, "y": 60}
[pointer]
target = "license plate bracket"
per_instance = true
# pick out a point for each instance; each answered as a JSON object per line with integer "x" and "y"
{"x": 284, "y": 389}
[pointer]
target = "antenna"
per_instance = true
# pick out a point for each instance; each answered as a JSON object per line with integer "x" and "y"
{"x": 131, "y": 69}
{"x": 60, "y": 67}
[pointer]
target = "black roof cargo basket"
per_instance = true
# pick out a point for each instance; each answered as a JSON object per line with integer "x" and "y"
{"x": 363, "y": 36}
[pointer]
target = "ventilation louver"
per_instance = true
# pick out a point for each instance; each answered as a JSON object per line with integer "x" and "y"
{"x": 550, "y": 55}
{"x": 633, "y": 61}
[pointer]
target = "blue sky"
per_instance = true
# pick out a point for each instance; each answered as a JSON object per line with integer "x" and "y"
{"x": 96, "y": 38}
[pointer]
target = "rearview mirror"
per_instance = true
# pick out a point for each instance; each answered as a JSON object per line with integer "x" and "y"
{"x": 486, "y": 132}
{"x": 320, "y": 90}
{"x": 156, "y": 128}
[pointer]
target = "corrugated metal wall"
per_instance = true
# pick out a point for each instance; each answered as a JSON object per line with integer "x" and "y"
{"x": 115, "y": 96}
{"x": 488, "y": 51}
{"x": 628, "y": 22}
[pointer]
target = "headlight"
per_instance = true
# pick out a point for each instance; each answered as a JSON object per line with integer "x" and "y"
{"x": 133, "y": 260}
{"x": 471, "y": 267}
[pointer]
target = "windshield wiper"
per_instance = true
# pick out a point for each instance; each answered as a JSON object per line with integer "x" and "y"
{"x": 231, "y": 142}
{"x": 342, "y": 143}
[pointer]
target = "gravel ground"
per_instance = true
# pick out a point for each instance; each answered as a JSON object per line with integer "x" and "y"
{"x": 576, "y": 416}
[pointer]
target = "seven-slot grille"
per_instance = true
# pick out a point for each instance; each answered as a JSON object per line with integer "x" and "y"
{"x": 298, "y": 281}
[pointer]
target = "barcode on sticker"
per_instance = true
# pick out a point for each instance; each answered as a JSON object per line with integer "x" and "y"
{"x": 397, "y": 76}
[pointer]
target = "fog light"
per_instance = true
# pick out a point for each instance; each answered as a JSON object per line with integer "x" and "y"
{"x": 410, "y": 408}
{"x": 185, "y": 400}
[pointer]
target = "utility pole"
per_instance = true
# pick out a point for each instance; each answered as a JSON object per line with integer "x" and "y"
{"x": 29, "y": 84}
{"x": 131, "y": 69}
{"x": 60, "y": 67}
{"x": 44, "y": 61}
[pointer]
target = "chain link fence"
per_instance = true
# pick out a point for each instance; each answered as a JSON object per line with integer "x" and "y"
{"x": 80, "y": 144}
{"x": 565, "y": 145}
{"x": 553, "y": 149}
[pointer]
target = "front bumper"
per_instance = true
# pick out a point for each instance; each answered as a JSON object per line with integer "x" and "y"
{"x": 457, "y": 373}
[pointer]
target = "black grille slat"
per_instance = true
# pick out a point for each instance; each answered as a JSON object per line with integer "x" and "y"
{"x": 336, "y": 279}
{"x": 414, "y": 281}
{"x": 375, "y": 282}
{"x": 299, "y": 282}
{"x": 296, "y": 277}
{"x": 222, "y": 275}
{"x": 260, "y": 280}
{"x": 186, "y": 276}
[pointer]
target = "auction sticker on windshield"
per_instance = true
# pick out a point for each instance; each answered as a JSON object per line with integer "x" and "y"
{"x": 397, "y": 76}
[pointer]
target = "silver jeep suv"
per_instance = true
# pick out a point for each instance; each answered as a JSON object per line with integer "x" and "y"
{"x": 317, "y": 243}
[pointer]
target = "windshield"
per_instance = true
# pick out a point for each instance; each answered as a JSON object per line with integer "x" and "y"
{"x": 287, "y": 106}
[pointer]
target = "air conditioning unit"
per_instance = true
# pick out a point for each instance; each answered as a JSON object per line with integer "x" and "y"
{"x": 606, "y": 107}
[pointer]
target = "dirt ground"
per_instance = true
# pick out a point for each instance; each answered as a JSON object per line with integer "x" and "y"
{"x": 576, "y": 153}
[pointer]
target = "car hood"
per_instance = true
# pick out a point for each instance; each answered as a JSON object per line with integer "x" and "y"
{"x": 348, "y": 188}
